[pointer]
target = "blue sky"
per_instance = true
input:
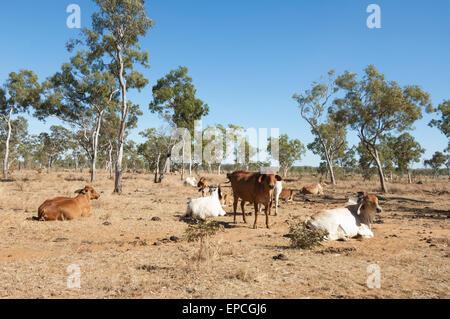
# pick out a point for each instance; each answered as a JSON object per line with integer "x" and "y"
{"x": 248, "y": 58}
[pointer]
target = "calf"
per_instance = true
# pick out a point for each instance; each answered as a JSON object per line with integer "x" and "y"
{"x": 287, "y": 194}
{"x": 203, "y": 186}
{"x": 313, "y": 190}
{"x": 224, "y": 200}
{"x": 255, "y": 188}
{"x": 347, "y": 222}
{"x": 65, "y": 208}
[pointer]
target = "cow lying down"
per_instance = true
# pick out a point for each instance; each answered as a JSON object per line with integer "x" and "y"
{"x": 65, "y": 208}
{"x": 209, "y": 206}
{"x": 347, "y": 222}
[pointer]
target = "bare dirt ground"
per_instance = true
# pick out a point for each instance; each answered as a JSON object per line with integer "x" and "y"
{"x": 123, "y": 252}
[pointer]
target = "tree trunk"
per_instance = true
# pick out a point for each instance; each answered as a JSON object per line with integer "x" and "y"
{"x": 166, "y": 168}
{"x": 380, "y": 171}
{"x": 190, "y": 167}
{"x": 331, "y": 170}
{"x": 95, "y": 144}
{"x": 157, "y": 168}
{"x": 219, "y": 168}
{"x": 182, "y": 161}
{"x": 328, "y": 158}
{"x": 49, "y": 164}
{"x": 123, "y": 125}
{"x": 8, "y": 138}
{"x": 409, "y": 177}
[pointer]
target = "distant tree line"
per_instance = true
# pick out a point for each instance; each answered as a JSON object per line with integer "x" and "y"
{"x": 90, "y": 95}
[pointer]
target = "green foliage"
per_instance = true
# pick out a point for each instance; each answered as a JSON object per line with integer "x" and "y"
{"x": 331, "y": 137}
{"x": 54, "y": 144}
{"x": 374, "y": 106}
{"x": 157, "y": 144}
{"x": 290, "y": 150}
{"x": 443, "y": 124}
{"x": 406, "y": 150}
{"x": 202, "y": 230}
{"x": 348, "y": 159}
{"x": 20, "y": 140}
{"x": 21, "y": 91}
{"x": 174, "y": 99}
{"x": 115, "y": 33}
{"x": 436, "y": 162}
{"x": 303, "y": 237}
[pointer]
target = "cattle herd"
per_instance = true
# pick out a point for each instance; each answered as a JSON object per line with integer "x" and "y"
{"x": 255, "y": 188}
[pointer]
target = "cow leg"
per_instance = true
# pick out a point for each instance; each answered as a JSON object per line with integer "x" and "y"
{"x": 256, "y": 215}
{"x": 235, "y": 207}
{"x": 267, "y": 207}
{"x": 243, "y": 210}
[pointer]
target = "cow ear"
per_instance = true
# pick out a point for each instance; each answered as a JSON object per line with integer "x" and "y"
{"x": 278, "y": 178}
{"x": 220, "y": 193}
{"x": 361, "y": 202}
{"x": 80, "y": 191}
{"x": 261, "y": 178}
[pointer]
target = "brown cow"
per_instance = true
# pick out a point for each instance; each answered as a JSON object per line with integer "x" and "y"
{"x": 203, "y": 186}
{"x": 287, "y": 194}
{"x": 65, "y": 208}
{"x": 313, "y": 190}
{"x": 253, "y": 187}
{"x": 225, "y": 198}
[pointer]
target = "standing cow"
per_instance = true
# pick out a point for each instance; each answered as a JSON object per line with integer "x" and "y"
{"x": 253, "y": 187}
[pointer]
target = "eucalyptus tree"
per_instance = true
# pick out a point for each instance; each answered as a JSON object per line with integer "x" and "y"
{"x": 79, "y": 95}
{"x": 406, "y": 152}
{"x": 330, "y": 145}
{"x": 373, "y": 106}
{"x": 108, "y": 133}
{"x": 19, "y": 139}
{"x": 290, "y": 150}
{"x": 157, "y": 144}
{"x": 348, "y": 160}
{"x": 54, "y": 144}
{"x": 436, "y": 161}
{"x": 20, "y": 92}
{"x": 313, "y": 104}
{"x": 443, "y": 123}
{"x": 174, "y": 99}
{"x": 114, "y": 41}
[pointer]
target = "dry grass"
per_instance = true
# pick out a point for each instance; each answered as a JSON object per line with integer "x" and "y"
{"x": 124, "y": 252}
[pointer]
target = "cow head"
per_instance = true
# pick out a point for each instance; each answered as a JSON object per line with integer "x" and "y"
{"x": 90, "y": 191}
{"x": 269, "y": 180}
{"x": 368, "y": 206}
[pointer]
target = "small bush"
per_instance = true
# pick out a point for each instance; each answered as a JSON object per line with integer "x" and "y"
{"x": 201, "y": 231}
{"x": 303, "y": 237}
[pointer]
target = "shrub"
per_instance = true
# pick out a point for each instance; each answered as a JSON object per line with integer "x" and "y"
{"x": 303, "y": 237}
{"x": 201, "y": 231}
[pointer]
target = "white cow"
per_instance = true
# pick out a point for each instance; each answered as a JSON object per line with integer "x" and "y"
{"x": 276, "y": 193}
{"x": 206, "y": 206}
{"x": 347, "y": 222}
{"x": 190, "y": 181}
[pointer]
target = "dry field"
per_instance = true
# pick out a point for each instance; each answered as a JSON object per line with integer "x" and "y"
{"x": 123, "y": 251}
